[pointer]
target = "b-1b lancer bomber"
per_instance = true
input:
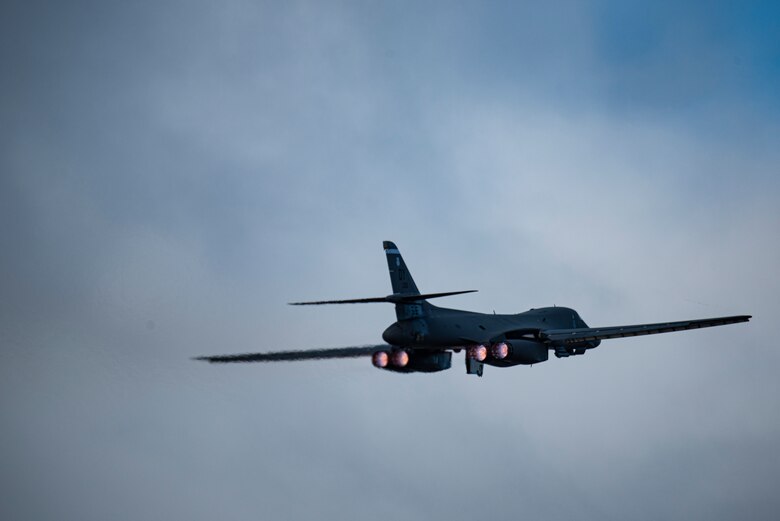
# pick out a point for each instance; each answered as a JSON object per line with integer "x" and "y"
{"x": 424, "y": 337}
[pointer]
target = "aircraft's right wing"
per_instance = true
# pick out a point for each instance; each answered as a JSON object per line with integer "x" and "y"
{"x": 290, "y": 356}
{"x": 572, "y": 336}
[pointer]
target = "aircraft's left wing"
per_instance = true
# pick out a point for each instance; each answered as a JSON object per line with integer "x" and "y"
{"x": 572, "y": 336}
{"x": 290, "y": 356}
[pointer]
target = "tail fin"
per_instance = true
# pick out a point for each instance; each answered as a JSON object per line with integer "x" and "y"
{"x": 400, "y": 278}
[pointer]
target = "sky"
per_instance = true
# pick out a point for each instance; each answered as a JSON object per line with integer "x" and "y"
{"x": 173, "y": 173}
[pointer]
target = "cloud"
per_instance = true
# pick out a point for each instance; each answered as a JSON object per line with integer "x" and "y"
{"x": 172, "y": 176}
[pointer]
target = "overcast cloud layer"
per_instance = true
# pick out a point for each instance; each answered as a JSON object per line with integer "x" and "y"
{"x": 172, "y": 173}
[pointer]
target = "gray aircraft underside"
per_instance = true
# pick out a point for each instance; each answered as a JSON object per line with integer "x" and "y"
{"x": 425, "y": 336}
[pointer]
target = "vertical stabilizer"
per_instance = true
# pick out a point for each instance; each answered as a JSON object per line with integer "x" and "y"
{"x": 400, "y": 278}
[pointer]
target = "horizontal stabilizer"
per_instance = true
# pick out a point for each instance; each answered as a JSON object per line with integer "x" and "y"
{"x": 425, "y": 296}
{"x": 348, "y": 301}
{"x": 394, "y": 299}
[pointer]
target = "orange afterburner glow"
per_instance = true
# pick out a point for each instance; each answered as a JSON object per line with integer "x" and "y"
{"x": 500, "y": 350}
{"x": 380, "y": 359}
{"x": 400, "y": 358}
{"x": 478, "y": 353}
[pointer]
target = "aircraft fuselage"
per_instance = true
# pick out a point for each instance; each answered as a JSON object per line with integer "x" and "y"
{"x": 429, "y": 326}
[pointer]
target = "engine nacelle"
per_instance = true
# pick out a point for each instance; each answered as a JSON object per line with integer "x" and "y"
{"x": 402, "y": 361}
{"x": 518, "y": 352}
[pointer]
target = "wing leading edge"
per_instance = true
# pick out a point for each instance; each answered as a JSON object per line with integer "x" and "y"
{"x": 571, "y": 336}
{"x": 290, "y": 356}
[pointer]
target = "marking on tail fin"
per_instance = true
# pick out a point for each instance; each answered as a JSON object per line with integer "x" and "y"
{"x": 400, "y": 277}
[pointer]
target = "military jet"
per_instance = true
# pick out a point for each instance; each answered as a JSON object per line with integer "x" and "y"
{"x": 424, "y": 337}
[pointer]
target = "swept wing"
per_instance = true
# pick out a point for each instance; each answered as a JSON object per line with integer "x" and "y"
{"x": 290, "y": 356}
{"x": 572, "y": 336}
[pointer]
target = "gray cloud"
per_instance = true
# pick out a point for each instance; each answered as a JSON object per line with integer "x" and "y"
{"x": 173, "y": 174}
